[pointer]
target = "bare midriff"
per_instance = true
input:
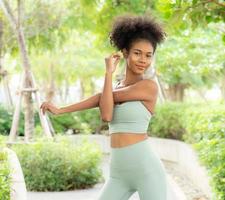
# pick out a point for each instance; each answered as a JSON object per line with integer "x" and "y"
{"x": 119, "y": 140}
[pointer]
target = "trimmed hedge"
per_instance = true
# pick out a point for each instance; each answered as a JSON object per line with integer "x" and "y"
{"x": 6, "y": 117}
{"x": 203, "y": 126}
{"x": 206, "y": 130}
{"x": 195, "y": 123}
{"x": 59, "y": 166}
{"x": 167, "y": 121}
{"x": 5, "y": 179}
{"x": 87, "y": 121}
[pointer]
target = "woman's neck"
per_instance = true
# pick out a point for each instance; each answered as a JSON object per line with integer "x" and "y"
{"x": 131, "y": 78}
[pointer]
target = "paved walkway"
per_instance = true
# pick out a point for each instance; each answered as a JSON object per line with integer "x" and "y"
{"x": 181, "y": 187}
{"x": 85, "y": 194}
{"x": 189, "y": 189}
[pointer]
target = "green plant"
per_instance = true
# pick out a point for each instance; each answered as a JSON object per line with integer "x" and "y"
{"x": 80, "y": 122}
{"x": 5, "y": 179}
{"x": 6, "y": 117}
{"x": 61, "y": 165}
{"x": 201, "y": 125}
{"x": 205, "y": 128}
{"x": 167, "y": 121}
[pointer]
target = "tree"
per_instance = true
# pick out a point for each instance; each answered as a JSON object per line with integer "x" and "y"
{"x": 27, "y": 79}
{"x": 195, "y": 59}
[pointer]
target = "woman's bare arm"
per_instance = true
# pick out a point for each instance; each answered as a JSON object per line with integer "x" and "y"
{"x": 106, "y": 102}
{"x": 88, "y": 103}
{"x": 91, "y": 102}
{"x": 145, "y": 90}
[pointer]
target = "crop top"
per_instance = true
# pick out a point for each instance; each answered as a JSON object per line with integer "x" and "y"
{"x": 131, "y": 117}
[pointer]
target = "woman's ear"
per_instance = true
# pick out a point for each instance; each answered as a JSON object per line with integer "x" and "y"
{"x": 125, "y": 53}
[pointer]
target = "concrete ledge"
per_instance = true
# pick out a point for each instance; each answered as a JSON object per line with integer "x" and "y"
{"x": 18, "y": 187}
{"x": 174, "y": 191}
{"x": 167, "y": 149}
{"x": 186, "y": 159}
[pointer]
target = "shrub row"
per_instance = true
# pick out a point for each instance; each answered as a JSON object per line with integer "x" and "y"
{"x": 5, "y": 179}
{"x": 197, "y": 124}
{"x": 203, "y": 126}
{"x": 60, "y": 165}
{"x": 87, "y": 121}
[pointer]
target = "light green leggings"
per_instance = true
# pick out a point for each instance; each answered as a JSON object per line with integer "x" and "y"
{"x": 134, "y": 168}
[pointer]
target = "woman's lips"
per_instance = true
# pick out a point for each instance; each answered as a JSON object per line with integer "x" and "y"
{"x": 140, "y": 67}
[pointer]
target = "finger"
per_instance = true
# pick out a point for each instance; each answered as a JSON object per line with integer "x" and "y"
{"x": 116, "y": 62}
{"x": 117, "y": 58}
{"x": 116, "y": 55}
{"x": 41, "y": 106}
{"x": 44, "y": 109}
{"x": 119, "y": 54}
{"x": 113, "y": 55}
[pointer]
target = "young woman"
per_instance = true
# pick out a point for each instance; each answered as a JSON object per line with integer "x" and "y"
{"x": 128, "y": 109}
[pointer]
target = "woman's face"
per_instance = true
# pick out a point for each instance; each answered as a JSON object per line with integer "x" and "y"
{"x": 139, "y": 57}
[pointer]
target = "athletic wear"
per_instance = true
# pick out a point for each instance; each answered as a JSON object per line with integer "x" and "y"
{"x": 131, "y": 117}
{"x": 134, "y": 168}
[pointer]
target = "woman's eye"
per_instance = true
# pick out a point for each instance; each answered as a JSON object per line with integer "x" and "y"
{"x": 137, "y": 53}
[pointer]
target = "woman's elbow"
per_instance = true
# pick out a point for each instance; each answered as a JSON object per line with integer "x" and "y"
{"x": 106, "y": 114}
{"x": 106, "y": 118}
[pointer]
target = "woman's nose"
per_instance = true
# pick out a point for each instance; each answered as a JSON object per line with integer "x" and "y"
{"x": 143, "y": 59}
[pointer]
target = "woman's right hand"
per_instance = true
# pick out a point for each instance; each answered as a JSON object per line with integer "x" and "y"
{"x": 112, "y": 61}
{"x": 48, "y": 106}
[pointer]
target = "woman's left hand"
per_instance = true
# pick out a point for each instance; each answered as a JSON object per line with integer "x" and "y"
{"x": 112, "y": 61}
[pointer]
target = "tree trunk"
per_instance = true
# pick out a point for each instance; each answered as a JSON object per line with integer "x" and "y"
{"x": 162, "y": 95}
{"x": 176, "y": 92}
{"x": 3, "y": 73}
{"x": 222, "y": 88}
{"x": 7, "y": 91}
{"x": 28, "y": 82}
{"x": 28, "y": 103}
{"x": 16, "y": 25}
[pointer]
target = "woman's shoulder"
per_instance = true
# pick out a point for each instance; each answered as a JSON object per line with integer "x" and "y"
{"x": 147, "y": 83}
{"x": 148, "y": 86}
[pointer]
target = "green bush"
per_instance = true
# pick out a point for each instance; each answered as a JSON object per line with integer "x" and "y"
{"x": 201, "y": 125}
{"x": 5, "y": 179}
{"x": 205, "y": 129}
{"x": 204, "y": 122}
{"x": 59, "y": 166}
{"x": 212, "y": 155}
{"x": 5, "y": 120}
{"x": 168, "y": 121}
{"x": 87, "y": 121}
{"x": 6, "y": 117}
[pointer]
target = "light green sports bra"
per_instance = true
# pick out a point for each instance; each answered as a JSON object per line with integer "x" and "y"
{"x": 131, "y": 117}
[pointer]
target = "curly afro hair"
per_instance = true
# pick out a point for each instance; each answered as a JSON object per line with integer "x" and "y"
{"x": 128, "y": 28}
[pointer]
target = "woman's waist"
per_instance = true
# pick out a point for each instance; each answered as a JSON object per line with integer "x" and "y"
{"x": 122, "y": 137}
